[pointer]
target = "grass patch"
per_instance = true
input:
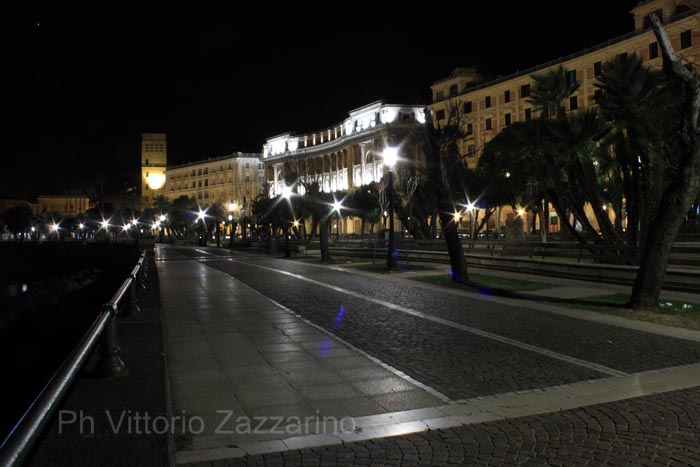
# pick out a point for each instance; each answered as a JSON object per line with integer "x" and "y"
{"x": 317, "y": 259}
{"x": 674, "y": 314}
{"x": 486, "y": 283}
{"x": 381, "y": 268}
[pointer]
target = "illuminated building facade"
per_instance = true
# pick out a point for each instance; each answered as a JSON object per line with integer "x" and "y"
{"x": 347, "y": 155}
{"x": 154, "y": 161}
{"x": 65, "y": 205}
{"x": 236, "y": 178}
{"x": 486, "y": 108}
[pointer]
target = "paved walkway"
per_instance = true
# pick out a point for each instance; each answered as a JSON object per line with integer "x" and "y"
{"x": 235, "y": 353}
{"x": 235, "y": 356}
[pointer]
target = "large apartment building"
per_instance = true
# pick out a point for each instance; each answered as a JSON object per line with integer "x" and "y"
{"x": 235, "y": 178}
{"x": 487, "y": 107}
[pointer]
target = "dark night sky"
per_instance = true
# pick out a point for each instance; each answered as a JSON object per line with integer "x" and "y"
{"x": 218, "y": 78}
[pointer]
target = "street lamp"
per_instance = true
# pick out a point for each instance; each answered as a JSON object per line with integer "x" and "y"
{"x": 337, "y": 206}
{"x": 390, "y": 156}
{"x": 231, "y": 208}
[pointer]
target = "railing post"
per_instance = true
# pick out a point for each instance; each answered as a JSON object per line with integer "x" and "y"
{"x": 131, "y": 307}
{"x": 111, "y": 364}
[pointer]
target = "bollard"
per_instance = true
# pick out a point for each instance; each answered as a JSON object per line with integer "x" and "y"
{"x": 132, "y": 308}
{"x": 110, "y": 364}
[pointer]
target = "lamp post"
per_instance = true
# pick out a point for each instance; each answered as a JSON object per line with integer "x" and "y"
{"x": 390, "y": 156}
{"x": 231, "y": 208}
{"x": 337, "y": 206}
{"x": 287, "y": 194}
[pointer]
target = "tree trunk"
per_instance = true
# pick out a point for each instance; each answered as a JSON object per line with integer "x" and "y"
{"x": 458, "y": 264}
{"x": 678, "y": 196}
{"x": 544, "y": 221}
{"x": 325, "y": 227}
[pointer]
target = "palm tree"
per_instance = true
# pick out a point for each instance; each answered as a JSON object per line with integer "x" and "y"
{"x": 637, "y": 104}
{"x": 444, "y": 172}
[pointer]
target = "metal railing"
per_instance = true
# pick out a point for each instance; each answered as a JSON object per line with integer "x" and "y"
{"x": 18, "y": 445}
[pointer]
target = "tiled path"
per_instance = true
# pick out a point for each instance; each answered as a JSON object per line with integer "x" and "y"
{"x": 235, "y": 353}
{"x": 232, "y": 353}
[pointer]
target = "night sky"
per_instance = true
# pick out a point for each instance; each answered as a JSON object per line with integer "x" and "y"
{"x": 217, "y": 78}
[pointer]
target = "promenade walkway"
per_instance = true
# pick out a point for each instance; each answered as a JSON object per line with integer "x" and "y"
{"x": 283, "y": 363}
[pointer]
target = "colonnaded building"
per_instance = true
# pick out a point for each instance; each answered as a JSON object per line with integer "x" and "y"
{"x": 231, "y": 179}
{"x": 486, "y": 108}
{"x": 348, "y": 154}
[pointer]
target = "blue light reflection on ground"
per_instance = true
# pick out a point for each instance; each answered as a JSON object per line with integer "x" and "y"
{"x": 327, "y": 344}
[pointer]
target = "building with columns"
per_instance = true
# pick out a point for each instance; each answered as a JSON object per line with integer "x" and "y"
{"x": 347, "y": 155}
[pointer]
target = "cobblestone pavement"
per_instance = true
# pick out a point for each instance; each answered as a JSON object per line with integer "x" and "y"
{"x": 623, "y": 349}
{"x": 661, "y": 430}
{"x": 454, "y": 362}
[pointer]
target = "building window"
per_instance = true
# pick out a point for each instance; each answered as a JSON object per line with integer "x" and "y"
{"x": 247, "y": 165}
{"x": 247, "y": 178}
{"x": 528, "y": 115}
{"x": 440, "y": 114}
{"x": 653, "y": 50}
{"x": 488, "y": 124}
{"x": 622, "y": 56}
{"x": 571, "y": 76}
{"x": 453, "y": 90}
{"x": 146, "y": 174}
{"x": 470, "y": 149}
{"x": 487, "y": 102}
{"x": 200, "y": 184}
{"x": 525, "y": 90}
{"x": 146, "y": 161}
{"x": 467, "y": 107}
{"x": 470, "y": 129}
{"x": 573, "y": 103}
{"x": 598, "y": 95}
{"x": 686, "y": 39}
{"x": 206, "y": 182}
{"x": 508, "y": 120}
{"x": 597, "y": 69}
{"x": 193, "y": 185}
{"x": 506, "y": 96}
{"x": 199, "y": 172}
{"x": 439, "y": 96}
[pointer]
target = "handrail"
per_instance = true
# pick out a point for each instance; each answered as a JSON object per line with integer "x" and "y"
{"x": 17, "y": 445}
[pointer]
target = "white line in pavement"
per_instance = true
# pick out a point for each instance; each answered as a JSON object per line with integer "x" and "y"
{"x": 470, "y": 412}
{"x": 505, "y": 340}
{"x": 373, "y": 359}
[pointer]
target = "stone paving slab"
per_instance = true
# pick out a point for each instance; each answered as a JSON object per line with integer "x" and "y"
{"x": 232, "y": 353}
{"x": 647, "y": 414}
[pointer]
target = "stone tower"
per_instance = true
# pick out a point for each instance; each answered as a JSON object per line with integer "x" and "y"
{"x": 154, "y": 159}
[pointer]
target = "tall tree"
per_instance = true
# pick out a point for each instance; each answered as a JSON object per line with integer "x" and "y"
{"x": 678, "y": 196}
{"x": 444, "y": 170}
